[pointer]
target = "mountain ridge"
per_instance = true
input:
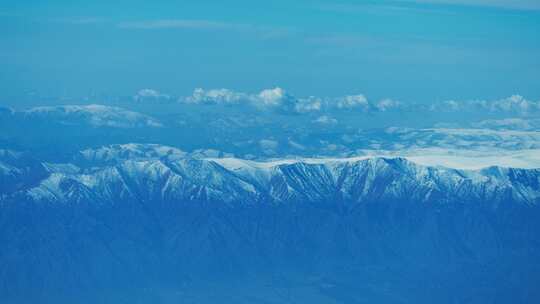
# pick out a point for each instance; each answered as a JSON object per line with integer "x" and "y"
{"x": 137, "y": 222}
{"x": 175, "y": 176}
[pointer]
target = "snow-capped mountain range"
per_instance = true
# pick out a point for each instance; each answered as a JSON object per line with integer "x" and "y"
{"x": 136, "y": 216}
{"x": 94, "y": 115}
{"x": 160, "y": 173}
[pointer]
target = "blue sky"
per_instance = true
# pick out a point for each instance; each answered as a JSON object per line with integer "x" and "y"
{"x": 414, "y": 51}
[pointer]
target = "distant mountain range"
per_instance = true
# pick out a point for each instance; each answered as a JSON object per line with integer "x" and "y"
{"x": 159, "y": 173}
{"x": 226, "y": 130}
{"x": 128, "y": 217}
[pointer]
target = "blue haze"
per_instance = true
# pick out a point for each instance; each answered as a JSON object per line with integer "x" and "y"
{"x": 337, "y": 152}
{"x": 412, "y": 51}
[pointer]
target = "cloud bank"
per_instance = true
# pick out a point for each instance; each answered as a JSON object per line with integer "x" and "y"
{"x": 278, "y": 99}
{"x": 514, "y": 103}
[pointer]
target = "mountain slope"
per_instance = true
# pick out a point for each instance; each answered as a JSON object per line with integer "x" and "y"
{"x": 233, "y": 180}
{"x": 147, "y": 220}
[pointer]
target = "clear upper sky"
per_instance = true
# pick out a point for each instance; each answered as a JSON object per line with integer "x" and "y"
{"x": 417, "y": 51}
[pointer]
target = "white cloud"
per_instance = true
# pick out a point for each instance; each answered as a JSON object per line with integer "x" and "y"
{"x": 361, "y": 102}
{"x": 150, "y": 94}
{"x": 449, "y": 104}
{"x": 311, "y": 104}
{"x": 387, "y": 104}
{"x": 353, "y": 101}
{"x": 268, "y": 99}
{"x": 277, "y": 99}
{"x": 271, "y": 97}
{"x": 215, "y": 96}
{"x": 514, "y": 104}
{"x": 280, "y": 100}
{"x": 326, "y": 120}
